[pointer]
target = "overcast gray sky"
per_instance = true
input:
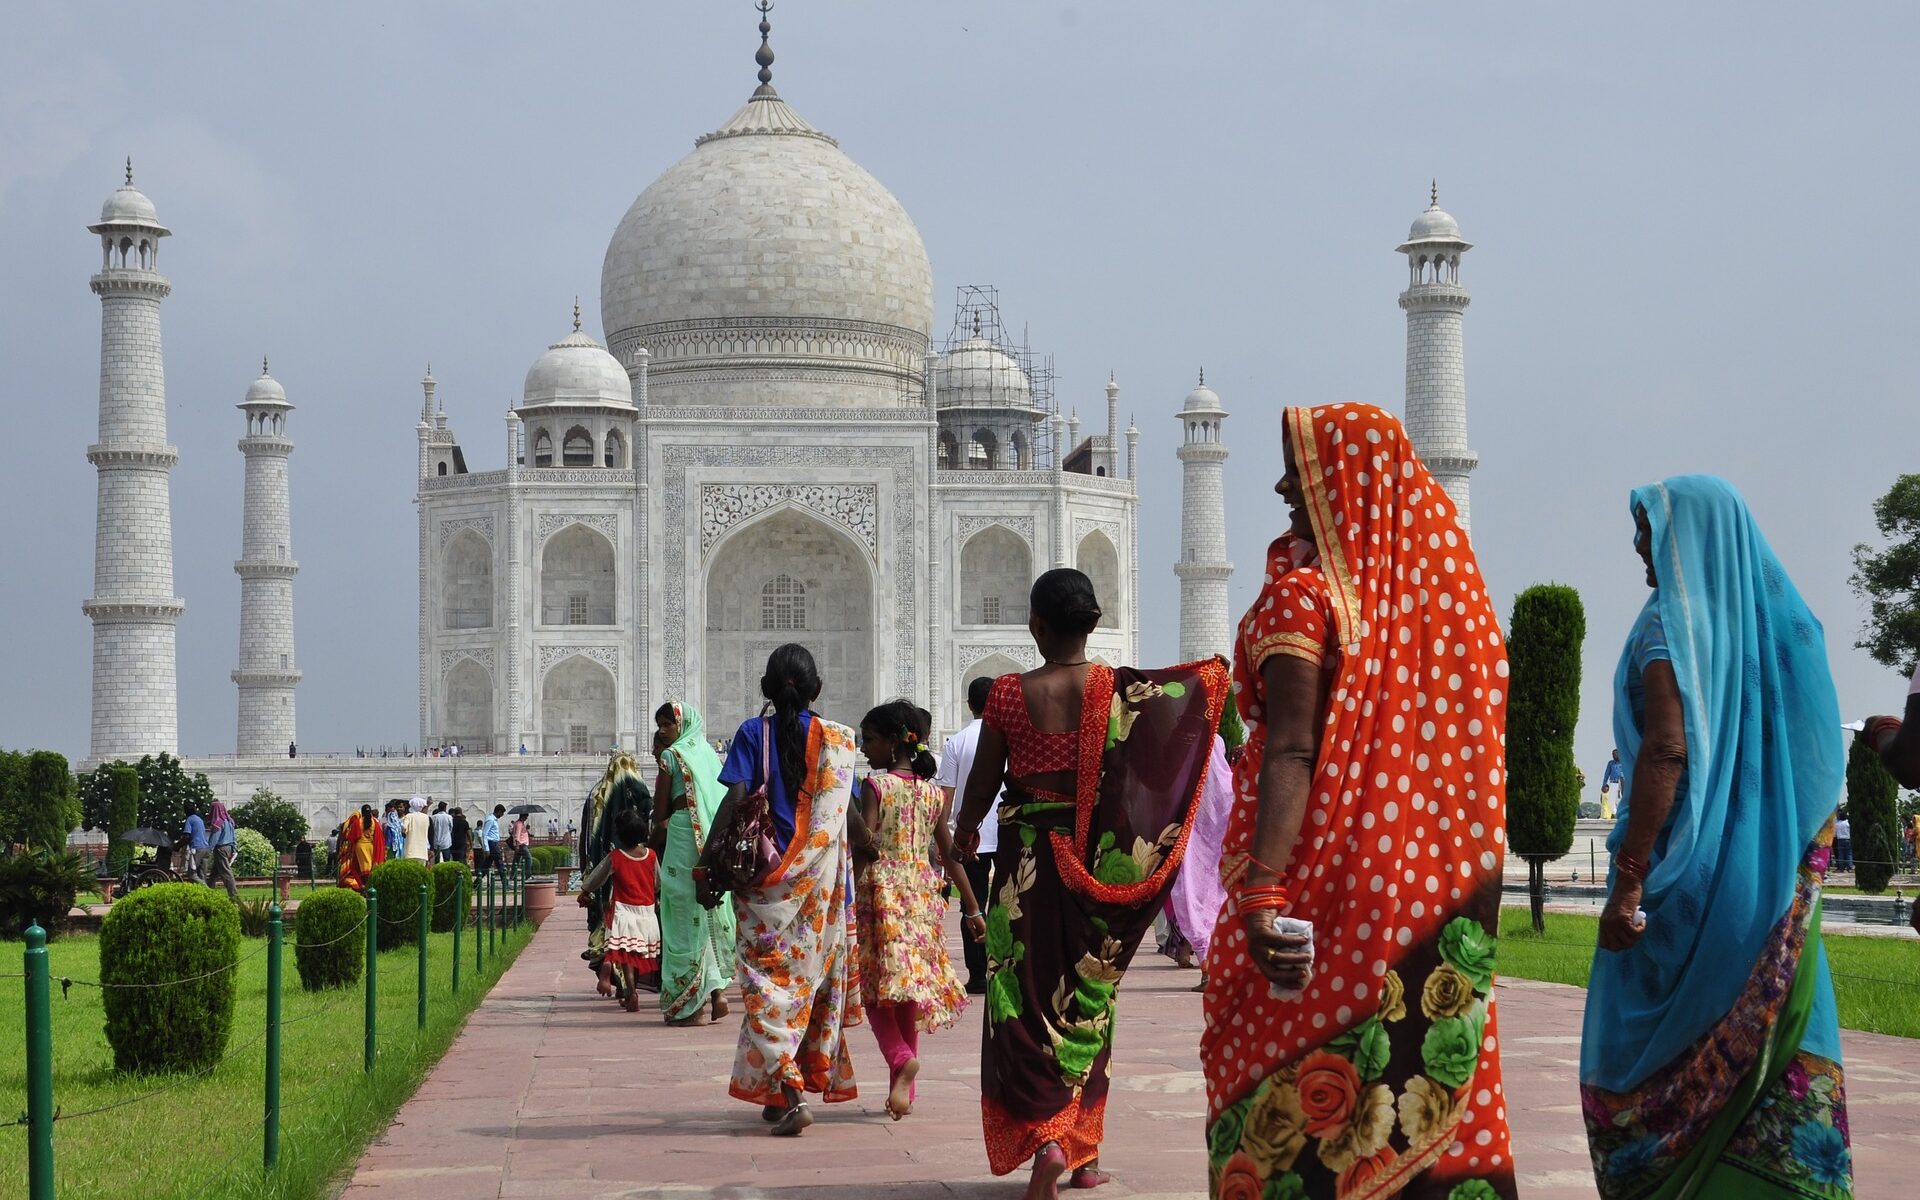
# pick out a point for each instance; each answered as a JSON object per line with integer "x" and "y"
{"x": 1691, "y": 221}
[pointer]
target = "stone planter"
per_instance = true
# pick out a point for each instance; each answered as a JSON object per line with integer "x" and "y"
{"x": 284, "y": 882}
{"x": 563, "y": 879}
{"x": 542, "y": 894}
{"x": 106, "y": 884}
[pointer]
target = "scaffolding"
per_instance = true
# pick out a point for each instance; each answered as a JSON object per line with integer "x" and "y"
{"x": 981, "y": 369}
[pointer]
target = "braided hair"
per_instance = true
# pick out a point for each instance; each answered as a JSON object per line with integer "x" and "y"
{"x": 907, "y": 725}
{"x": 791, "y": 685}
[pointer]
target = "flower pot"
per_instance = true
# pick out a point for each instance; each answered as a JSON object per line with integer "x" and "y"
{"x": 541, "y": 895}
{"x": 563, "y": 879}
{"x": 285, "y": 883}
{"x": 106, "y": 884}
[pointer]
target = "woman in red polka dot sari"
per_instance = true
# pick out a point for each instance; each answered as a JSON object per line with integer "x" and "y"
{"x": 1371, "y": 673}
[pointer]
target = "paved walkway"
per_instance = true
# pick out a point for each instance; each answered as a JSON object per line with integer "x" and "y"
{"x": 553, "y": 1092}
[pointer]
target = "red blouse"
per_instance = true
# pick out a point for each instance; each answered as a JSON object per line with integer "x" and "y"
{"x": 1030, "y": 751}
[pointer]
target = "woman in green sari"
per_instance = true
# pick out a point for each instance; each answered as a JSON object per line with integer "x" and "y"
{"x": 696, "y": 943}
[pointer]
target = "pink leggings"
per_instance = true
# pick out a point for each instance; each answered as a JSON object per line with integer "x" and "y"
{"x": 897, "y": 1028}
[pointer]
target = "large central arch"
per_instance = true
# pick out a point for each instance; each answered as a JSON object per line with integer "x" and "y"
{"x": 788, "y": 577}
{"x": 577, "y": 707}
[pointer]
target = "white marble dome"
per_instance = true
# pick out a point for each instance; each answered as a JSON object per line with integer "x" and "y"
{"x": 577, "y": 370}
{"x": 1203, "y": 399}
{"x": 265, "y": 390}
{"x": 128, "y": 205}
{"x": 977, "y": 372}
{"x": 1434, "y": 225}
{"x": 770, "y": 257}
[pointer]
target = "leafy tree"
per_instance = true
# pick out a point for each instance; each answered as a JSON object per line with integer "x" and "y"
{"x": 1543, "y": 706}
{"x": 166, "y": 791}
{"x": 123, "y": 811}
{"x": 1871, "y": 797}
{"x": 279, "y": 819}
{"x": 1889, "y": 579}
{"x": 38, "y": 802}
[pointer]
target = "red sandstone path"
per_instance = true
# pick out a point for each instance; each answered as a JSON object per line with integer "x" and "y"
{"x": 553, "y": 1092}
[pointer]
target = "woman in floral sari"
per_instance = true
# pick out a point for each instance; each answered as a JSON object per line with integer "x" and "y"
{"x": 1350, "y": 1043}
{"x": 696, "y": 942}
{"x": 1103, "y": 769}
{"x": 1710, "y": 1061}
{"x": 798, "y": 973}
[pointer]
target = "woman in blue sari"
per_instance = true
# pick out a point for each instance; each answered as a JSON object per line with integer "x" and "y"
{"x": 1710, "y": 1060}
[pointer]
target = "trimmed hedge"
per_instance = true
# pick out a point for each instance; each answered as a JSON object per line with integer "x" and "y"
{"x": 328, "y": 950}
{"x": 446, "y": 889}
{"x": 548, "y": 859}
{"x": 187, "y": 938}
{"x": 1873, "y": 797}
{"x": 253, "y": 855}
{"x": 398, "y": 882}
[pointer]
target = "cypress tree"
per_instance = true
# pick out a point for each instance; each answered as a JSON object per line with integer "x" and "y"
{"x": 1543, "y": 706}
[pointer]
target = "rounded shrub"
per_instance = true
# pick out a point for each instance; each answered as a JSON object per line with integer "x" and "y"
{"x": 398, "y": 881}
{"x": 168, "y": 960}
{"x": 446, "y": 892}
{"x": 253, "y": 855}
{"x": 548, "y": 859}
{"x": 329, "y": 949}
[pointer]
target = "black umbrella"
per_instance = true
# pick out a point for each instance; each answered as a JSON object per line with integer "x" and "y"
{"x": 147, "y": 835}
{"x": 521, "y": 810}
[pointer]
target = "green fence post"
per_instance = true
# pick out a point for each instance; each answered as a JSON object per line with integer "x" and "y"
{"x": 373, "y": 970}
{"x": 493, "y": 910}
{"x": 39, "y": 1067}
{"x": 426, "y": 911}
{"x": 459, "y": 919}
{"x": 271, "y": 1151}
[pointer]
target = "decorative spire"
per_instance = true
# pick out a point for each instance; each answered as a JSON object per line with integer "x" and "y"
{"x": 576, "y": 314}
{"x": 764, "y": 55}
{"x": 1203, "y": 377}
{"x": 1433, "y": 194}
{"x": 976, "y": 322}
{"x": 129, "y": 170}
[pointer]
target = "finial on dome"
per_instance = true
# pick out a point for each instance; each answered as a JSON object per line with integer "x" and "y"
{"x": 1433, "y": 193}
{"x": 263, "y": 366}
{"x": 1203, "y": 377}
{"x": 976, "y": 323}
{"x": 764, "y": 55}
{"x": 129, "y": 170}
{"x": 576, "y": 314}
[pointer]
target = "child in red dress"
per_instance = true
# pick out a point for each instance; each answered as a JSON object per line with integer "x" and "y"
{"x": 631, "y": 923}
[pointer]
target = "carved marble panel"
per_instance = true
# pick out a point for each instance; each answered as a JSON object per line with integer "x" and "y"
{"x": 853, "y": 506}
{"x": 548, "y": 656}
{"x": 480, "y": 525}
{"x": 552, "y": 523}
{"x": 971, "y": 524}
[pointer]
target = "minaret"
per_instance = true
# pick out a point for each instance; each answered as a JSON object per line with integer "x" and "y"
{"x": 266, "y": 675}
{"x": 1205, "y": 628}
{"x": 133, "y": 608}
{"x": 1436, "y": 362}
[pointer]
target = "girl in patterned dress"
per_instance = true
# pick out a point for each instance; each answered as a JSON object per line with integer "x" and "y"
{"x": 632, "y": 922}
{"x": 907, "y": 981}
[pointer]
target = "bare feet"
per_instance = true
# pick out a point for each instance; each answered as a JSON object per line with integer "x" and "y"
{"x": 900, "y": 1095}
{"x": 1089, "y": 1176}
{"x": 1048, "y": 1166}
{"x": 605, "y": 987}
{"x": 773, "y": 1112}
{"x": 719, "y": 1006}
{"x": 699, "y": 1017}
{"x": 632, "y": 1002}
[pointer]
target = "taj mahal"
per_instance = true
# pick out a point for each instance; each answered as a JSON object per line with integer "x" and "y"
{"x": 781, "y": 436}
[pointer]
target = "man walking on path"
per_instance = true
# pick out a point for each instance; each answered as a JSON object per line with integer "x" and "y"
{"x": 442, "y": 823}
{"x": 1842, "y": 842}
{"x": 416, "y": 832}
{"x": 196, "y": 847}
{"x": 462, "y": 837}
{"x": 1610, "y": 781}
{"x": 956, "y": 760}
{"x": 490, "y": 838}
{"x": 221, "y": 847}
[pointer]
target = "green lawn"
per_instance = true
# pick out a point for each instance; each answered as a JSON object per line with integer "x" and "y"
{"x": 203, "y": 1136}
{"x": 1874, "y": 978}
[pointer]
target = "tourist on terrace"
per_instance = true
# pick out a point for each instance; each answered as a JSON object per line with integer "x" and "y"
{"x": 696, "y": 942}
{"x": 1085, "y": 861}
{"x": 1710, "y": 1058}
{"x": 1350, "y": 1042}
{"x": 795, "y": 955}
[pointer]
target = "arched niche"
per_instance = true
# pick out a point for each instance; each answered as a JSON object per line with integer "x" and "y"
{"x": 577, "y": 707}
{"x": 576, "y": 449}
{"x": 983, "y": 451}
{"x": 467, "y": 707}
{"x": 1099, "y": 561}
{"x": 996, "y": 573}
{"x": 576, "y": 578}
{"x": 826, "y": 605}
{"x": 466, "y": 582}
{"x": 542, "y": 448}
{"x": 616, "y": 455}
{"x": 949, "y": 451}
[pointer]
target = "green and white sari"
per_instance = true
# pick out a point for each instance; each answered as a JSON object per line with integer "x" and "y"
{"x": 696, "y": 943}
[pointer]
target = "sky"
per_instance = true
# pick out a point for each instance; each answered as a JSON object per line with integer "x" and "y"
{"x": 1688, "y": 257}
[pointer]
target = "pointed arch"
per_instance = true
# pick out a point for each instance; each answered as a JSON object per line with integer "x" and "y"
{"x": 466, "y": 582}
{"x": 577, "y": 707}
{"x": 996, "y": 573}
{"x": 1099, "y": 561}
{"x": 577, "y": 581}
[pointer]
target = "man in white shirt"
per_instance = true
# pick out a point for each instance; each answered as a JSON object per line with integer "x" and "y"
{"x": 442, "y": 825}
{"x": 955, "y": 762}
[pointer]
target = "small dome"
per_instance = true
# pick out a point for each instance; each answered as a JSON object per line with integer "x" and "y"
{"x": 577, "y": 370}
{"x": 1434, "y": 225}
{"x": 978, "y": 373}
{"x": 128, "y": 206}
{"x": 1203, "y": 398}
{"x": 266, "y": 390}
